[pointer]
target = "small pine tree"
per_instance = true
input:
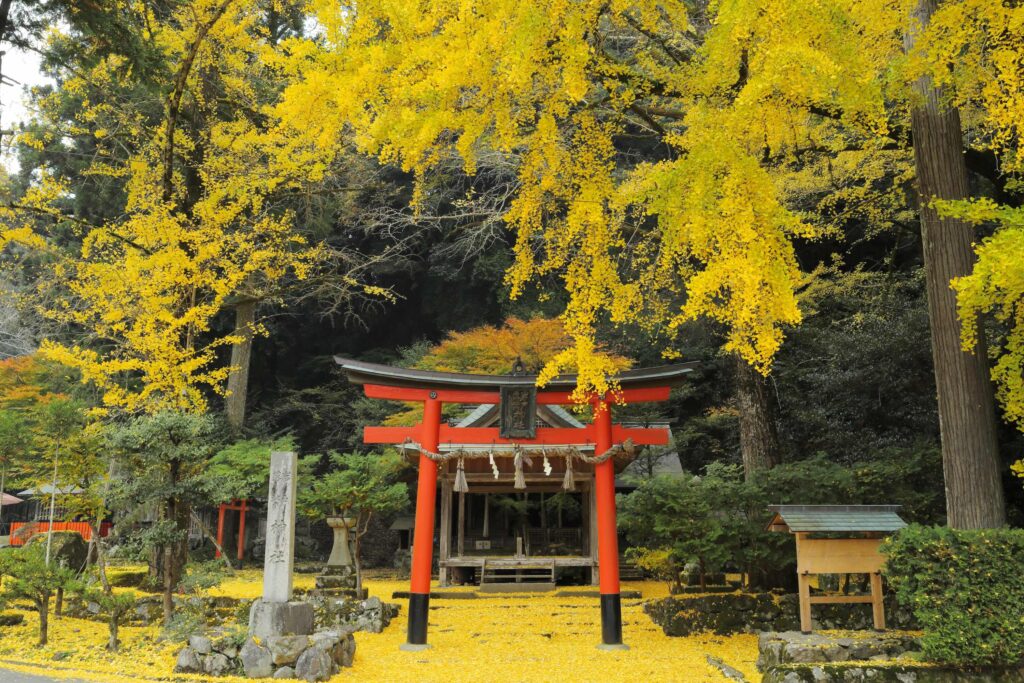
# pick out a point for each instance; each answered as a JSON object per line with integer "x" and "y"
{"x": 29, "y": 576}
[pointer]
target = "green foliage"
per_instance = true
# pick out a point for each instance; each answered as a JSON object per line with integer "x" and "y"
{"x": 189, "y": 619}
{"x": 658, "y": 562}
{"x": 28, "y": 576}
{"x": 967, "y": 590}
{"x": 115, "y": 606}
{"x": 163, "y": 458}
{"x": 360, "y": 484}
{"x": 718, "y": 519}
{"x": 712, "y": 519}
{"x": 242, "y": 470}
{"x": 15, "y": 437}
{"x": 856, "y": 377}
{"x": 202, "y": 576}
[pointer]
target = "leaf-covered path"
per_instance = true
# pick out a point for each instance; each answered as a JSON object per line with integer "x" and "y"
{"x": 544, "y": 637}
{"x": 518, "y": 637}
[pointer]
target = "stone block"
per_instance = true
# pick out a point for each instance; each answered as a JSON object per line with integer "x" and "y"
{"x": 257, "y": 662}
{"x": 345, "y": 651}
{"x": 325, "y": 639}
{"x": 286, "y": 649}
{"x": 188, "y": 661}
{"x": 314, "y": 665}
{"x": 285, "y": 672}
{"x": 268, "y": 619}
{"x": 216, "y": 664}
{"x": 201, "y": 644}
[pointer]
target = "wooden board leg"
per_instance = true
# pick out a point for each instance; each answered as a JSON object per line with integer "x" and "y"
{"x": 804, "y": 582}
{"x": 877, "y": 606}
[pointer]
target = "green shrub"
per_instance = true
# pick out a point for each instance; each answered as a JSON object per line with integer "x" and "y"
{"x": 202, "y": 576}
{"x": 966, "y": 589}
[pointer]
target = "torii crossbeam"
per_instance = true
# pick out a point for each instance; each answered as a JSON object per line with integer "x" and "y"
{"x": 515, "y": 395}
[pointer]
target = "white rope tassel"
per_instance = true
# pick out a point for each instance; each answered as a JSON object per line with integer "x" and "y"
{"x": 460, "y": 485}
{"x": 569, "y": 483}
{"x": 494, "y": 466}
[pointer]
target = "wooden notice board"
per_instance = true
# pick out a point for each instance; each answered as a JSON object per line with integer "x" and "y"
{"x": 838, "y": 539}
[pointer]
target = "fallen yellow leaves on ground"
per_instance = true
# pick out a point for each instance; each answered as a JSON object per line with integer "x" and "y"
{"x": 517, "y": 637}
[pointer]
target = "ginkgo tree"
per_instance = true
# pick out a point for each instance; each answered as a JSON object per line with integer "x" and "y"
{"x": 657, "y": 145}
{"x": 208, "y": 223}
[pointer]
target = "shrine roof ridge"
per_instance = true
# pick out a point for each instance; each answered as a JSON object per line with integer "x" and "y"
{"x": 836, "y": 518}
{"x": 360, "y": 372}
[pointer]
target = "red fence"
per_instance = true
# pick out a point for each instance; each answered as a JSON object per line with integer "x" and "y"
{"x": 22, "y": 531}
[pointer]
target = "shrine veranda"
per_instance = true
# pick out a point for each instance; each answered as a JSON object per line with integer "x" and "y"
{"x": 518, "y": 430}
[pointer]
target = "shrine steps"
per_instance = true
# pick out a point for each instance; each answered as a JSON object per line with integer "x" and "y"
{"x": 517, "y": 576}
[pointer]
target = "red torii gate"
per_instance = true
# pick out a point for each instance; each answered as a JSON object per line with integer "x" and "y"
{"x": 434, "y": 389}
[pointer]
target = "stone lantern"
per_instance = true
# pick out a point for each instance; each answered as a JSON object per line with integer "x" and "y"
{"x": 339, "y": 576}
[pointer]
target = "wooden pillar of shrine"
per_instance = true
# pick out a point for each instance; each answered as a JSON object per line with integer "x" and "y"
{"x": 423, "y": 535}
{"x": 242, "y": 508}
{"x": 221, "y": 509}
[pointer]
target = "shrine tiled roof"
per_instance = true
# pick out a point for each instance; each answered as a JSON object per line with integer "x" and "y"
{"x": 835, "y": 518}
{"x": 360, "y": 372}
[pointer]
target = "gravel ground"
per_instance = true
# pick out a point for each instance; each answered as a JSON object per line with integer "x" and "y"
{"x": 15, "y": 677}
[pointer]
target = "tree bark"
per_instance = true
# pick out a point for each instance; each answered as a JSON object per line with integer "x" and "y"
{"x": 966, "y": 404}
{"x": 238, "y": 379}
{"x": 759, "y": 438}
{"x": 112, "y": 628}
{"x": 43, "y": 607}
{"x": 175, "y": 553}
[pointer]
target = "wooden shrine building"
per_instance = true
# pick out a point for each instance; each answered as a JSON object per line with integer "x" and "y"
{"x": 517, "y": 440}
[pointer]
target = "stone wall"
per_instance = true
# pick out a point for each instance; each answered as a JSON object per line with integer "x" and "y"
{"x": 739, "y": 612}
{"x": 886, "y": 673}
{"x": 793, "y": 647}
{"x": 860, "y": 657}
{"x": 310, "y": 658}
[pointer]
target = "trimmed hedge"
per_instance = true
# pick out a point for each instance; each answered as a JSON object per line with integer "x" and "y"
{"x": 966, "y": 588}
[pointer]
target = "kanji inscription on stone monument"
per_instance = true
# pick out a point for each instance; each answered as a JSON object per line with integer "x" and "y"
{"x": 280, "y": 542}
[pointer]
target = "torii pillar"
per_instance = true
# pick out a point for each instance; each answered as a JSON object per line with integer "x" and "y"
{"x": 607, "y": 535}
{"x": 423, "y": 534}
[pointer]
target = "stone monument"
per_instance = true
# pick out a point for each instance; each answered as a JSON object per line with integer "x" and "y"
{"x": 282, "y": 642}
{"x": 276, "y": 614}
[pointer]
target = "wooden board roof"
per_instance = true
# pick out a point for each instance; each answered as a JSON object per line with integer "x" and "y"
{"x": 372, "y": 373}
{"x": 835, "y": 518}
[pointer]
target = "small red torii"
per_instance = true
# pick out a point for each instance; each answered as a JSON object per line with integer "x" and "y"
{"x": 433, "y": 389}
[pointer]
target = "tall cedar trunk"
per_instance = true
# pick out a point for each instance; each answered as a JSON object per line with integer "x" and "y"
{"x": 759, "y": 439}
{"x": 967, "y": 417}
{"x": 238, "y": 379}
